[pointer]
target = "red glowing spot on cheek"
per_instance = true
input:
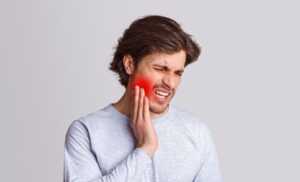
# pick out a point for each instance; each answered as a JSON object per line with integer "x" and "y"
{"x": 144, "y": 83}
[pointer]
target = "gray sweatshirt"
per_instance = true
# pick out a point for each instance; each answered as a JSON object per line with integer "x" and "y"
{"x": 100, "y": 147}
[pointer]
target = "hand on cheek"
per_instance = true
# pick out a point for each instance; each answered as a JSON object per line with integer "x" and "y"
{"x": 144, "y": 83}
{"x": 141, "y": 124}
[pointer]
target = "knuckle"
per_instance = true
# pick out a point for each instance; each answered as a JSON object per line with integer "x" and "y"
{"x": 139, "y": 123}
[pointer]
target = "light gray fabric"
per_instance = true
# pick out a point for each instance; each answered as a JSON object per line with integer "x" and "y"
{"x": 100, "y": 147}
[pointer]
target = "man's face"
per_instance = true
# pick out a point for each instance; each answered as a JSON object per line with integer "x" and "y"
{"x": 162, "y": 72}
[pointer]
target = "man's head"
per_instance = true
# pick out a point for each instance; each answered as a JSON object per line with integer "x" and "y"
{"x": 148, "y": 35}
{"x": 156, "y": 49}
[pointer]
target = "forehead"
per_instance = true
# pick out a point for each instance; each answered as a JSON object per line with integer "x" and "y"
{"x": 175, "y": 60}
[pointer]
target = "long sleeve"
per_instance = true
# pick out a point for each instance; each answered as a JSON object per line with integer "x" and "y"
{"x": 81, "y": 165}
{"x": 209, "y": 171}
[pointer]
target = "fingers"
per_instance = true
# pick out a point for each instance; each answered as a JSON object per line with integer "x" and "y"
{"x": 134, "y": 110}
{"x": 146, "y": 114}
{"x": 141, "y": 124}
{"x": 140, "y": 106}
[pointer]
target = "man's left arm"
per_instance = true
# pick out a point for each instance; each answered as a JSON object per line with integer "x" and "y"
{"x": 210, "y": 169}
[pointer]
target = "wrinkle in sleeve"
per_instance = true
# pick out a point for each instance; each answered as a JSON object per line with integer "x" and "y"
{"x": 210, "y": 169}
{"x": 80, "y": 163}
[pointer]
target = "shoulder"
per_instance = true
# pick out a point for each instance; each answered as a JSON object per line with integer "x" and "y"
{"x": 83, "y": 124}
{"x": 188, "y": 117}
{"x": 97, "y": 116}
{"x": 195, "y": 127}
{"x": 189, "y": 120}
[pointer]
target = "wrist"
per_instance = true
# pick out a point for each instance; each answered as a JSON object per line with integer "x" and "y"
{"x": 149, "y": 150}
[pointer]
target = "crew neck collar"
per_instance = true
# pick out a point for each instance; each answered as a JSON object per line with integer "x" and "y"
{"x": 167, "y": 116}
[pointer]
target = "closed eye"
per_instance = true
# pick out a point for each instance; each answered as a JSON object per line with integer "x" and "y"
{"x": 179, "y": 73}
{"x": 165, "y": 68}
{"x": 159, "y": 69}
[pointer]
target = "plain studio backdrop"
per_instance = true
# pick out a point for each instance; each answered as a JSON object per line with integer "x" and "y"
{"x": 245, "y": 85}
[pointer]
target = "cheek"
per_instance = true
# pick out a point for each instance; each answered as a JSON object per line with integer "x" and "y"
{"x": 143, "y": 82}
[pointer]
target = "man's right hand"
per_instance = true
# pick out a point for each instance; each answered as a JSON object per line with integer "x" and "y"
{"x": 141, "y": 124}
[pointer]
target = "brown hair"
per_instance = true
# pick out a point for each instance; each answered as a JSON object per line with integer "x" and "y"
{"x": 152, "y": 34}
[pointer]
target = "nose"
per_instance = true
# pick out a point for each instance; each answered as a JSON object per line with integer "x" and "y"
{"x": 170, "y": 81}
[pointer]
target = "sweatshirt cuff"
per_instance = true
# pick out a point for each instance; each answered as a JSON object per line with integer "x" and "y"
{"x": 143, "y": 155}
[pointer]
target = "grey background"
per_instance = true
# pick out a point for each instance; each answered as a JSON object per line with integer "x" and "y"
{"x": 54, "y": 68}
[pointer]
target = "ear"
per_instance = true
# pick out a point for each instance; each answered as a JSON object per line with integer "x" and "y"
{"x": 128, "y": 64}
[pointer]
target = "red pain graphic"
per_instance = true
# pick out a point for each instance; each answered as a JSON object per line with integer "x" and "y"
{"x": 144, "y": 83}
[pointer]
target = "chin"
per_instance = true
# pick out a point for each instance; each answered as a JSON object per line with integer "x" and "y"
{"x": 158, "y": 105}
{"x": 158, "y": 109}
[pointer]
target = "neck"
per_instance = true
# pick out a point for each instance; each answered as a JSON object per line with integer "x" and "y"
{"x": 124, "y": 105}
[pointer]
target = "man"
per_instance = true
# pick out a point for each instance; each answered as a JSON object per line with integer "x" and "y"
{"x": 142, "y": 138}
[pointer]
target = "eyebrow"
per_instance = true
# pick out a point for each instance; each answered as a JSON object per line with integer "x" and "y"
{"x": 167, "y": 68}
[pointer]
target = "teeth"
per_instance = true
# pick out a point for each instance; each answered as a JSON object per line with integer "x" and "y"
{"x": 162, "y": 97}
{"x": 163, "y": 94}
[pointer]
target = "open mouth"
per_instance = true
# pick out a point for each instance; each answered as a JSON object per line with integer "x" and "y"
{"x": 162, "y": 94}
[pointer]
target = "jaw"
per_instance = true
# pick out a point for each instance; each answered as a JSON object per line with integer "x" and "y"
{"x": 158, "y": 109}
{"x": 159, "y": 106}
